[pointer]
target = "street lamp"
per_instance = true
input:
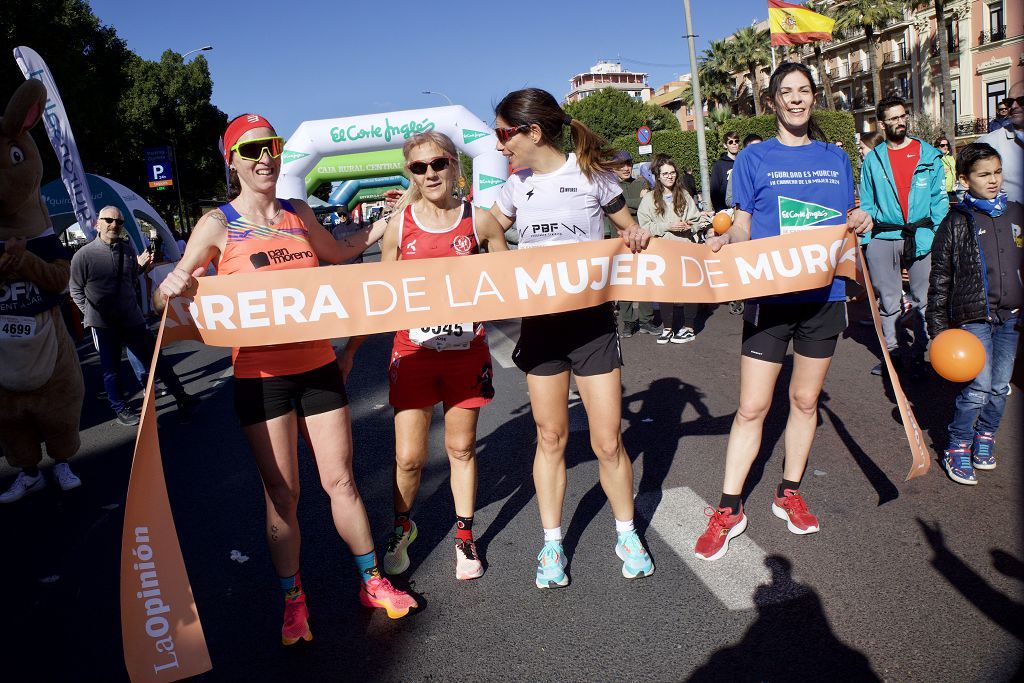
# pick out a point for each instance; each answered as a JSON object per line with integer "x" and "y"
{"x": 205, "y": 48}
{"x": 431, "y": 92}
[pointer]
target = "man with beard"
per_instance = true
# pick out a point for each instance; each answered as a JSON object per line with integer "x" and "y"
{"x": 902, "y": 187}
{"x": 1009, "y": 142}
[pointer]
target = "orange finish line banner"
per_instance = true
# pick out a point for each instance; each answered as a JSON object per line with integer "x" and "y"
{"x": 255, "y": 309}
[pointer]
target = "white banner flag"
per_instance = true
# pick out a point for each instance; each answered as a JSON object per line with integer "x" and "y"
{"x": 58, "y": 128}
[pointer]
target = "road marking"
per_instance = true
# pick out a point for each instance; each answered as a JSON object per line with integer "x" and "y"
{"x": 501, "y": 336}
{"x": 731, "y": 579}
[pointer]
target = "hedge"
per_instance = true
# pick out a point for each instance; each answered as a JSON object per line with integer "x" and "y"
{"x": 681, "y": 145}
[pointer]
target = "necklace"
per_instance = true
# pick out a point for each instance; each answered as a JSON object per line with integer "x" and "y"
{"x": 269, "y": 221}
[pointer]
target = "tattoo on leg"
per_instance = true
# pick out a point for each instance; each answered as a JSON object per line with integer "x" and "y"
{"x": 273, "y": 532}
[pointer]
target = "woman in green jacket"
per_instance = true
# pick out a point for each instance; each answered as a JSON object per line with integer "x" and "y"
{"x": 668, "y": 211}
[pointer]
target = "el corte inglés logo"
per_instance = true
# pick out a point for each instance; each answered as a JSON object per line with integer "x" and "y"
{"x": 469, "y": 136}
{"x": 794, "y": 213}
{"x": 290, "y": 156}
{"x": 487, "y": 181}
{"x": 387, "y": 131}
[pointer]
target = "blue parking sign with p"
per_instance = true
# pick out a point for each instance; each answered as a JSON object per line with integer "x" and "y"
{"x": 159, "y": 166}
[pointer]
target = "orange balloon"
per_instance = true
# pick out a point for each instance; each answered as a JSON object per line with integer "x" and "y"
{"x": 721, "y": 222}
{"x": 957, "y": 355}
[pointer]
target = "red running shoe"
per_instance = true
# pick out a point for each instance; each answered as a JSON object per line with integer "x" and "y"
{"x": 792, "y": 508}
{"x": 722, "y": 528}
{"x": 380, "y": 593}
{"x": 296, "y": 620}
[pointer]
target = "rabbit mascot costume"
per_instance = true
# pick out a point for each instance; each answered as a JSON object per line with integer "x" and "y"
{"x": 41, "y": 385}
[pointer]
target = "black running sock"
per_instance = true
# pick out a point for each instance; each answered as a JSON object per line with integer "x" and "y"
{"x": 730, "y": 502}
{"x": 787, "y": 484}
{"x": 464, "y": 528}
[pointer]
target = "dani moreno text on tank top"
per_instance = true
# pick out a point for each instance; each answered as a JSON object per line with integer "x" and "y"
{"x": 250, "y": 248}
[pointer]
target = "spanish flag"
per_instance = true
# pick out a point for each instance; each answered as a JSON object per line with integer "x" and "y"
{"x": 794, "y": 24}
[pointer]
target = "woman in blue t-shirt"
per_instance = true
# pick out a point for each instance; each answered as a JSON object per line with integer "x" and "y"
{"x": 786, "y": 184}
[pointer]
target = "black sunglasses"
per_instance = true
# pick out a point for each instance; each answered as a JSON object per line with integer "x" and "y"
{"x": 115, "y": 221}
{"x": 438, "y": 164}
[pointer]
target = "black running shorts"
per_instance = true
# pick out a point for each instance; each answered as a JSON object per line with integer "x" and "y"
{"x": 259, "y": 399}
{"x": 814, "y": 329}
{"x": 584, "y": 341}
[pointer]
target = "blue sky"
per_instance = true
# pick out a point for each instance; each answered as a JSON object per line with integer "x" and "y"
{"x": 332, "y": 59}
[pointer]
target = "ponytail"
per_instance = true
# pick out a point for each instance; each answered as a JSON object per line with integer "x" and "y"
{"x": 593, "y": 155}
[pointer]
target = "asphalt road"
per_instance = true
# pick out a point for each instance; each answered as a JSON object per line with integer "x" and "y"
{"x": 917, "y": 580}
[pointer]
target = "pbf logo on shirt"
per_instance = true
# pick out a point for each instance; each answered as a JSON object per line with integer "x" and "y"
{"x": 795, "y": 214}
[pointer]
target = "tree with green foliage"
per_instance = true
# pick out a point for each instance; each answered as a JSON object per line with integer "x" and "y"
{"x": 825, "y": 9}
{"x": 716, "y": 82}
{"x": 869, "y": 15}
{"x": 117, "y": 102}
{"x": 612, "y": 113}
{"x": 750, "y": 50}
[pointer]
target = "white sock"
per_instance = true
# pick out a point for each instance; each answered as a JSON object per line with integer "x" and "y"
{"x": 624, "y": 527}
{"x": 553, "y": 534}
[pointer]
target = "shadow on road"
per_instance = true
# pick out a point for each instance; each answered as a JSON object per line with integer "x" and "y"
{"x": 792, "y": 636}
{"x": 1000, "y": 608}
{"x": 883, "y": 486}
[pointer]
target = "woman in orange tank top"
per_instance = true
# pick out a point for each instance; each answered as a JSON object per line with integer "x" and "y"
{"x": 287, "y": 388}
{"x": 448, "y": 364}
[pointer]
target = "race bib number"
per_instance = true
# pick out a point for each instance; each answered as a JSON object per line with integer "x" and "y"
{"x": 451, "y": 337}
{"x": 17, "y": 326}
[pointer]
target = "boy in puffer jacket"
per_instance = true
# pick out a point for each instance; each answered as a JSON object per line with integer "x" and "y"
{"x": 975, "y": 285}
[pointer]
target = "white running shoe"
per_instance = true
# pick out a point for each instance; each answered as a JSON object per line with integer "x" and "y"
{"x": 23, "y": 485}
{"x": 66, "y": 479}
{"x": 467, "y": 561}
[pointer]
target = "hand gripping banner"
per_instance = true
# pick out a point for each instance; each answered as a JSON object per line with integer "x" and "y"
{"x": 163, "y": 638}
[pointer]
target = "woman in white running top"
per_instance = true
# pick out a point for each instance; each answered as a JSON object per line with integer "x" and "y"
{"x": 560, "y": 199}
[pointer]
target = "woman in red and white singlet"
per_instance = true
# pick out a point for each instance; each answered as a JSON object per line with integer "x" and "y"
{"x": 286, "y": 389}
{"x": 448, "y": 363}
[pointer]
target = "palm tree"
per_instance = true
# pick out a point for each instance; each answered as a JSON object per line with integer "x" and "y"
{"x": 716, "y": 82}
{"x": 869, "y": 14}
{"x": 750, "y": 50}
{"x": 822, "y": 8}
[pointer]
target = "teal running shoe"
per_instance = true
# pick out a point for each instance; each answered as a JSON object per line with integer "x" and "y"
{"x": 636, "y": 563}
{"x": 551, "y": 564}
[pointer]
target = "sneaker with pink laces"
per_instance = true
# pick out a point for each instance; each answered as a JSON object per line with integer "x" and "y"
{"x": 722, "y": 528}
{"x": 792, "y": 508}
{"x": 467, "y": 561}
{"x": 296, "y": 620}
{"x": 378, "y": 592}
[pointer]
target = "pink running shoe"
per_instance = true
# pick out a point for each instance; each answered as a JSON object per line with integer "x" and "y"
{"x": 296, "y": 621}
{"x": 467, "y": 561}
{"x": 380, "y": 593}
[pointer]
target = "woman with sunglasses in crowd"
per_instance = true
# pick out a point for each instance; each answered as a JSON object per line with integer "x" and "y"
{"x": 948, "y": 167}
{"x": 669, "y": 212}
{"x": 286, "y": 389}
{"x": 448, "y": 363}
{"x": 799, "y": 167}
{"x": 559, "y": 199}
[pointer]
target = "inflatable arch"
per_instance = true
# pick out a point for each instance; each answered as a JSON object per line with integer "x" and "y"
{"x": 344, "y": 193}
{"x": 354, "y": 167}
{"x": 314, "y": 140}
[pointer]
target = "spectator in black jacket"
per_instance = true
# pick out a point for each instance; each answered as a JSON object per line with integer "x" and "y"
{"x": 722, "y": 169}
{"x": 975, "y": 285}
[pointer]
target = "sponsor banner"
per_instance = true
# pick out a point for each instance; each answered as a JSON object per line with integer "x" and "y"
{"x": 320, "y": 303}
{"x": 58, "y": 129}
{"x": 160, "y": 628}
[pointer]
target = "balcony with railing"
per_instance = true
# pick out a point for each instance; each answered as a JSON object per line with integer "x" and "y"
{"x": 952, "y": 47}
{"x": 971, "y": 127}
{"x": 992, "y": 36}
{"x": 897, "y": 56}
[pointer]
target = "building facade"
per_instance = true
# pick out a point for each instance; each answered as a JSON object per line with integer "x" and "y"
{"x": 985, "y": 41}
{"x": 609, "y": 74}
{"x": 673, "y": 96}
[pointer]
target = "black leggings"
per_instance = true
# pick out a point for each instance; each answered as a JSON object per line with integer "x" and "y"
{"x": 675, "y": 316}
